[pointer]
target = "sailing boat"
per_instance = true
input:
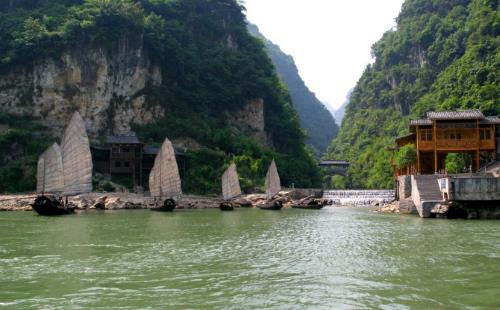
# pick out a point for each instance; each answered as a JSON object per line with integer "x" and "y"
{"x": 273, "y": 187}
{"x": 164, "y": 179}
{"x": 66, "y": 169}
{"x": 230, "y": 187}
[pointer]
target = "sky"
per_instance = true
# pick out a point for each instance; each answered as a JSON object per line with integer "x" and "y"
{"x": 330, "y": 40}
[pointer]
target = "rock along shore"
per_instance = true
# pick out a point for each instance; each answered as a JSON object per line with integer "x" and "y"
{"x": 128, "y": 201}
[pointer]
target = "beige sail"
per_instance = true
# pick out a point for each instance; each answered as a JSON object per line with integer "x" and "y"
{"x": 50, "y": 178}
{"x": 164, "y": 179}
{"x": 273, "y": 184}
{"x": 230, "y": 183}
{"x": 76, "y": 157}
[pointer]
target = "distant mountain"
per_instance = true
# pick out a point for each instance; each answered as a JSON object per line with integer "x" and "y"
{"x": 315, "y": 118}
{"x": 339, "y": 113}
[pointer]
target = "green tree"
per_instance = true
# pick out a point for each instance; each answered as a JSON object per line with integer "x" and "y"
{"x": 406, "y": 156}
{"x": 457, "y": 162}
{"x": 338, "y": 182}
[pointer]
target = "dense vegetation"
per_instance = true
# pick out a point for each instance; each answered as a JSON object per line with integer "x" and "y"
{"x": 443, "y": 55}
{"x": 314, "y": 116}
{"x": 210, "y": 64}
{"x": 458, "y": 162}
{"x": 20, "y": 147}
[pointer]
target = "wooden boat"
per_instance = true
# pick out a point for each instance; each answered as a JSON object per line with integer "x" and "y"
{"x": 309, "y": 207}
{"x": 273, "y": 187}
{"x": 230, "y": 188}
{"x": 310, "y": 203}
{"x": 168, "y": 205}
{"x": 272, "y": 205}
{"x": 164, "y": 179}
{"x": 48, "y": 205}
{"x": 64, "y": 171}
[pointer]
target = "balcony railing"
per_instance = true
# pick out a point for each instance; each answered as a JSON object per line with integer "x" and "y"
{"x": 456, "y": 144}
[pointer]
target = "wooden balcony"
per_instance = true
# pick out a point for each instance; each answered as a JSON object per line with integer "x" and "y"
{"x": 456, "y": 145}
{"x": 425, "y": 145}
{"x": 487, "y": 144}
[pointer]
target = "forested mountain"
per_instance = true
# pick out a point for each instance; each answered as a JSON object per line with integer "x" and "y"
{"x": 186, "y": 69}
{"x": 314, "y": 116}
{"x": 443, "y": 55}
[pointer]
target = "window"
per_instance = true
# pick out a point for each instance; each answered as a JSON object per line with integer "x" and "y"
{"x": 426, "y": 135}
{"x": 484, "y": 134}
{"x": 118, "y": 164}
{"x": 127, "y": 164}
{"x": 453, "y": 135}
{"x": 125, "y": 149}
{"x": 116, "y": 149}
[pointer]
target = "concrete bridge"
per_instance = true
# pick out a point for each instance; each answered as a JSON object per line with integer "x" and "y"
{"x": 335, "y": 166}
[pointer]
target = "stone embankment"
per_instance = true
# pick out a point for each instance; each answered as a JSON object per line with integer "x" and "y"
{"x": 405, "y": 206}
{"x": 128, "y": 201}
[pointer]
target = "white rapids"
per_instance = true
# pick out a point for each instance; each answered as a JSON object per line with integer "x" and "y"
{"x": 358, "y": 197}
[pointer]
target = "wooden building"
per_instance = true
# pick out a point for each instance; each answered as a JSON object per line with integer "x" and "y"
{"x": 128, "y": 156}
{"x": 447, "y": 132}
{"x": 125, "y": 157}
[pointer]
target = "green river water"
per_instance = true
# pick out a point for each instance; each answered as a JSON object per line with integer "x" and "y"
{"x": 249, "y": 258}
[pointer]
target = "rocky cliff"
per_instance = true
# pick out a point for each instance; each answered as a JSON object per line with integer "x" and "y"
{"x": 188, "y": 70}
{"x": 107, "y": 88}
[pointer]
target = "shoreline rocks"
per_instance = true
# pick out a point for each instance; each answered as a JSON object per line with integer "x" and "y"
{"x": 128, "y": 201}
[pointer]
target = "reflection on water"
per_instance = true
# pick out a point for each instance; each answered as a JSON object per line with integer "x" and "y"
{"x": 293, "y": 258}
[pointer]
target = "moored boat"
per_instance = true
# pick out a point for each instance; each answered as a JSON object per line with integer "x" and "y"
{"x": 48, "y": 205}
{"x": 273, "y": 187}
{"x": 309, "y": 207}
{"x": 64, "y": 171}
{"x": 272, "y": 205}
{"x": 164, "y": 179}
{"x": 309, "y": 203}
{"x": 230, "y": 188}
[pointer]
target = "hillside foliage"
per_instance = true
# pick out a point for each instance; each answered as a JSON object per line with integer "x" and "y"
{"x": 443, "y": 55}
{"x": 210, "y": 64}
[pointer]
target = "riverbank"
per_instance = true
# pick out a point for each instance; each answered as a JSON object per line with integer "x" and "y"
{"x": 129, "y": 201}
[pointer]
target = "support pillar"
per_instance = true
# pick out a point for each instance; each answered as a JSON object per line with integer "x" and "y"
{"x": 434, "y": 139}
{"x": 418, "y": 150}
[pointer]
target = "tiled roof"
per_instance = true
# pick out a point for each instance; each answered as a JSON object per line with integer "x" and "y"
{"x": 123, "y": 140}
{"x": 491, "y": 120}
{"x": 420, "y": 122}
{"x": 451, "y": 115}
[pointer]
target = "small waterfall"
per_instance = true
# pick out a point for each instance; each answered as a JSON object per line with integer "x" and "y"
{"x": 358, "y": 197}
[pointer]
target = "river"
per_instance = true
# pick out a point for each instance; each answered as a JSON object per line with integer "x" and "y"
{"x": 249, "y": 258}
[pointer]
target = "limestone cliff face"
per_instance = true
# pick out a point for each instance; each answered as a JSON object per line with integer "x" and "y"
{"x": 250, "y": 121}
{"x": 105, "y": 86}
{"x": 108, "y": 88}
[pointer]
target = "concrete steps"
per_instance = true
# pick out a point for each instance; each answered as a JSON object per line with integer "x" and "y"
{"x": 425, "y": 193}
{"x": 428, "y": 187}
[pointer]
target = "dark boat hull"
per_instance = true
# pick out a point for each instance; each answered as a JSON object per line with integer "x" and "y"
{"x": 167, "y": 206}
{"x": 308, "y": 207}
{"x": 226, "y": 206}
{"x": 272, "y": 205}
{"x": 50, "y": 206}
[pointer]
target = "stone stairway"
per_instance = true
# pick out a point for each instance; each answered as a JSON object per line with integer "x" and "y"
{"x": 428, "y": 187}
{"x": 426, "y": 193}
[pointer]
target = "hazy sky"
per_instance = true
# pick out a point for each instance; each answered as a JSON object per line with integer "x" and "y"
{"x": 330, "y": 40}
